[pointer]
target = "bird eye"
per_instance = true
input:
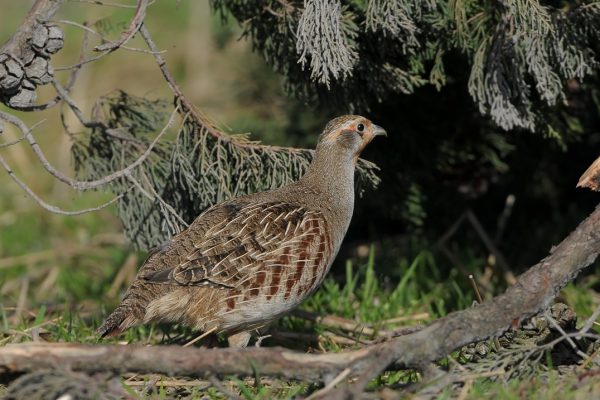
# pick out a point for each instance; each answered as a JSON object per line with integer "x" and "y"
{"x": 360, "y": 127}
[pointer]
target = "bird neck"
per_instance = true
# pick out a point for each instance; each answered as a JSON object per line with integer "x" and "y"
{"x": 332, "y": 172}
{"x": 331, "y": 175}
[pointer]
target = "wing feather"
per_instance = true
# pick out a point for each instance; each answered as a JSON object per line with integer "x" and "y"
{"x": 250, "y": 238}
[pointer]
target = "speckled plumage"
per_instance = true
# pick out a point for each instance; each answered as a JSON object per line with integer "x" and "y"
{"x": 247, "y": 261}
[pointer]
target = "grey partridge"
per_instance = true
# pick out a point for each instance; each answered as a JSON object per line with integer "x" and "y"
{"x": 247, "y": 261}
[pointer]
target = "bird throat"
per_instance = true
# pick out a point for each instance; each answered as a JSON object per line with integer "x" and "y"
{"x": 331, "y": 176}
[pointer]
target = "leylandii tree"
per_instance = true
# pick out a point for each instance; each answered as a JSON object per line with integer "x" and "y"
{"x": 166, "y": 164}
{"x": 359, "y": 52}
{"x": 459, "y": 84}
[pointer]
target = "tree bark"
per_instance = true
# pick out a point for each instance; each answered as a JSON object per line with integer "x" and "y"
{"x": 591, "y": 177}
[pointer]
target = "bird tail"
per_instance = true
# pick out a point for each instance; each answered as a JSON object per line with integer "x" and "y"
{"x": 129, "y": 313}
{"x": 118, "y": 322}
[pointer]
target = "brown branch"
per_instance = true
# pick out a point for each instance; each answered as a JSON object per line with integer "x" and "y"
{"x": 134, "y": 26}
{"x": 201, "y": 120}
{"x": 532, "y": 293}
{"x": 591, "y": 177}
{"x": 176, "y": 360}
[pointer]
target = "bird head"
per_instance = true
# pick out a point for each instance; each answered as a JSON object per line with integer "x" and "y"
{"x": 350, "y": 134}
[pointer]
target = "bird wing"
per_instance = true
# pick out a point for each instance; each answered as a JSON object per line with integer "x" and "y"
{"x": 243, "y": 241}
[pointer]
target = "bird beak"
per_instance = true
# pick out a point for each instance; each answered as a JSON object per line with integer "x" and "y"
{"x": 379, "y": 131}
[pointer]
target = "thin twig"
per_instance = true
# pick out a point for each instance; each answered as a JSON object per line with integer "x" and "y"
{"x": 333, "y": 321}
{"x": 107, "y": 4}
{"x": 590, "y": 321}
{"x": 475, "y": 288}
{"x": 161, "y": 200}
{"x": 84, "y": 185}
{"x": 564, "y": 334}
{"x": 126, "y": 35}
{"x": 198, "y": 119}
{"x": 45, "y": 205}
{"x": 487, "y": 241}
{"x": 200, "y": 337}
{"x": 101, "y": 36}
{"x": 64, "y": 94}
{"x": 81, "y": 63}
{"x": 19, "y": 140}
{"x": 323, "y": 392}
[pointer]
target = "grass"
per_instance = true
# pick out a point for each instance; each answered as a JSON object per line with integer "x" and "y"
{"x": 77, "y": 287}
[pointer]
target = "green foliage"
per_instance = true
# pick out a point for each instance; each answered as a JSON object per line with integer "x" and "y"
{"x": 359, "y": 52}
{"x": 366, "y": 294}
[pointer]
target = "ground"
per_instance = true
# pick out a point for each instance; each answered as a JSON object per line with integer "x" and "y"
{"x": 60, "y": 291}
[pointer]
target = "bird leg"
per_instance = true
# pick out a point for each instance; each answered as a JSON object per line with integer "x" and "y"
{"x": 239, "y": 340}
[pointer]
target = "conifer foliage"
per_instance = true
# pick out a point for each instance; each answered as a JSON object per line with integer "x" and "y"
{"x": 187, "y": 172}
{"x": 520, "y": 52}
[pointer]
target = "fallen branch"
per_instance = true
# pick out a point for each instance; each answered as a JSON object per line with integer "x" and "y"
{"x": 533, "y": 292}
{"x": 176, "y": 360}
{"x": 591, "y": 177}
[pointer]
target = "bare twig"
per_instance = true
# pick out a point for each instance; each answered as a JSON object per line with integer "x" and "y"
{"x": 200, "y": 337}
{"x": 106, "y": 4}
{"x": 591, "y": 320}
{"x": 485, "y": 238}
{"x": 83, "y": 185}
{"x": 199, "y": 119}
{"x": 64, "y": 95}
{"x": 20, "y": 139}
{"x": 564, "y": 334}
{"x": 333, "y": 321}
{"x": 405, "y": 318}
{"x": 134, "y": 26}
{"x": 161, "y": 200}
{"x": 489, "y": 243}
{"x": 475, "y": 288}
{"x": 504, "y": 216}
{"x": 101, "y": 36}
{"x": 81, "y": 63}
{"x": 329, "y": 387}
{"x": 45, "y": 205}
